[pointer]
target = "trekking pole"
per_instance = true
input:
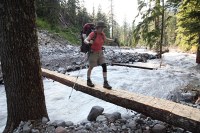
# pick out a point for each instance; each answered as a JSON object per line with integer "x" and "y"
{"x": 81, "y": 66}
{"x": 121, "y": 54}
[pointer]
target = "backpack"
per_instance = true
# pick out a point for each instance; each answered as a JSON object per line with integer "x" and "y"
{"x": 87, "y": 29}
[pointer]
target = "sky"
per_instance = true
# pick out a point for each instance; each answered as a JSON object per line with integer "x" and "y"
{"x": 123, "y": 9}
{"x": 175, "y": 73}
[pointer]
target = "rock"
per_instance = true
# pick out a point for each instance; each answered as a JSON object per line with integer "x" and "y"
{"x": 158, "y": 128}
{"x": 50, "y": 129}
{"x": 132, "y": 125}
{"x": 188, "y": 97}
{"x": 124, "y": 127}
{"x": 69, "y": 123}
{"x": 26, "y": 129}
{"x": 35, "y": 131}
{"x": 88, "y": 126}
{"x": 47, "y": 64}
{"x": 139, "y": 121}
{"x": 141, "y": 116}
{"x": 101, "y": 119}
{"x": 59, "y": 123}
{"x": 61, "y": 130}
{"x": 139, "y": 131}
{"x": 79, "y": 128}
{"x": 62, "y": 70}
{"x": 116, "y": 115}
{"x": 44, "y": 120}
{"x": 95, "y": 112}
{"x": 122, "y": 120}
{"x": 126, "y": 116}
{"x": 113, "y": 128}
{"x": 82, "y": 131}
{"x": 146, "y": 131}
{"x": 180, "y": 130}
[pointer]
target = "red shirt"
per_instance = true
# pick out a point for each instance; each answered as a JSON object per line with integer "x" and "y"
{"x": 98, "y": 42}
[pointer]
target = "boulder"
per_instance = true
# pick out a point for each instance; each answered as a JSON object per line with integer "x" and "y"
{"x": 158, "y": 128}
{"x": 61, "y": 130}
{"x": 95, "y": 112}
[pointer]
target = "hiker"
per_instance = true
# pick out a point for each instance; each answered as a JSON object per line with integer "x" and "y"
{"x": 96, "y": 40}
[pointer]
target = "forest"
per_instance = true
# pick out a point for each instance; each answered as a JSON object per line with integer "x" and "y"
{"x": 172, "y": 23}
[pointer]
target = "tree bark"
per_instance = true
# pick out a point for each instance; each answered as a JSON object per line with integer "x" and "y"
{"x": 162, "y": 28}
{"x": 21, "y": 63}
{"x": 198, "y": 51}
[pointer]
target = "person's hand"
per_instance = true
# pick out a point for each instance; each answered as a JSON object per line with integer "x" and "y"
{"x": 91, "y": 42}
{"x": 116, "y": 40}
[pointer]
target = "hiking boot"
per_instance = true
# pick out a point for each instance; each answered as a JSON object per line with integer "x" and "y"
{"x": 106, "y": 85}
{"x": 89, "y": 83}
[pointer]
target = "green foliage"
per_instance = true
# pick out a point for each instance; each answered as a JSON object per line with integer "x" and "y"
{"x": 41, "y": 23}
{"x": 188, "y": 24}
{"x": 48, "y": 10}
{"x": 170, "y": 34}
{"x": 70, "y": 34}
{"x": 149, "y": 29}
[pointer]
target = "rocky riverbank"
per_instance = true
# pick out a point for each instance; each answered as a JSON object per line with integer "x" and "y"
{"x": 100, "y": 122}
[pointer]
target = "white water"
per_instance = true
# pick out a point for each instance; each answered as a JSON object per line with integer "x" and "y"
{"x": 176, "y": 72}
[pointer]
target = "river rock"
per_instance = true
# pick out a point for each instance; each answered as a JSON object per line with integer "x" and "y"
{"x": 59, "y": 123}
{"x": 61, "y": 130}
{"x": 132, "y": 125}
{"x": 44, "y": 120}
{"x": 158, "y": 128}
{"x": 101, "y": 119}
{"x": 95, "y": 112}
{"x": 69, "y": 123}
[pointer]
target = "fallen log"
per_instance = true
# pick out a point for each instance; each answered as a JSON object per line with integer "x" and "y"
{"x": 134, "y": 66}
{"x": 158, "y": 54}
{"x": 170, "y": 112}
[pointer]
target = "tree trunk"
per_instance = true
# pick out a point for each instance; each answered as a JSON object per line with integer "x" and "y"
{"x": 157, "y": 25}
{"x": 162, "y": 28}
{"x": 198, "y": 51}
{"x": 21, "y": 63}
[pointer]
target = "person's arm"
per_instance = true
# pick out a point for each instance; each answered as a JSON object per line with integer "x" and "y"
{"x": 109, "y": 40}
{"x": 88, "y": 39}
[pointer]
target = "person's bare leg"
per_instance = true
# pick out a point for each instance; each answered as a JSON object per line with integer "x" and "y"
{"x": 105, "y": 76}
{"x": 105, "y": 85}
{"x": 89, "y": 82}
{"x": 89, "y": 72}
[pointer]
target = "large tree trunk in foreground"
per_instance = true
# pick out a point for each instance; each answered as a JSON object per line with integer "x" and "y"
{"x": 21, "y": 63}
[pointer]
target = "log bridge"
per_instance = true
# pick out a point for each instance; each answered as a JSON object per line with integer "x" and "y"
{"x": 170, "y": 112}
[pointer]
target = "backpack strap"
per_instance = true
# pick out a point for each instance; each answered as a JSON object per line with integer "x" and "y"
{"x": 95, "y": 36}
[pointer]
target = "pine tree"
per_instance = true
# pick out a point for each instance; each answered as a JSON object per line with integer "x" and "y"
{"x": 188, "y": 24}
